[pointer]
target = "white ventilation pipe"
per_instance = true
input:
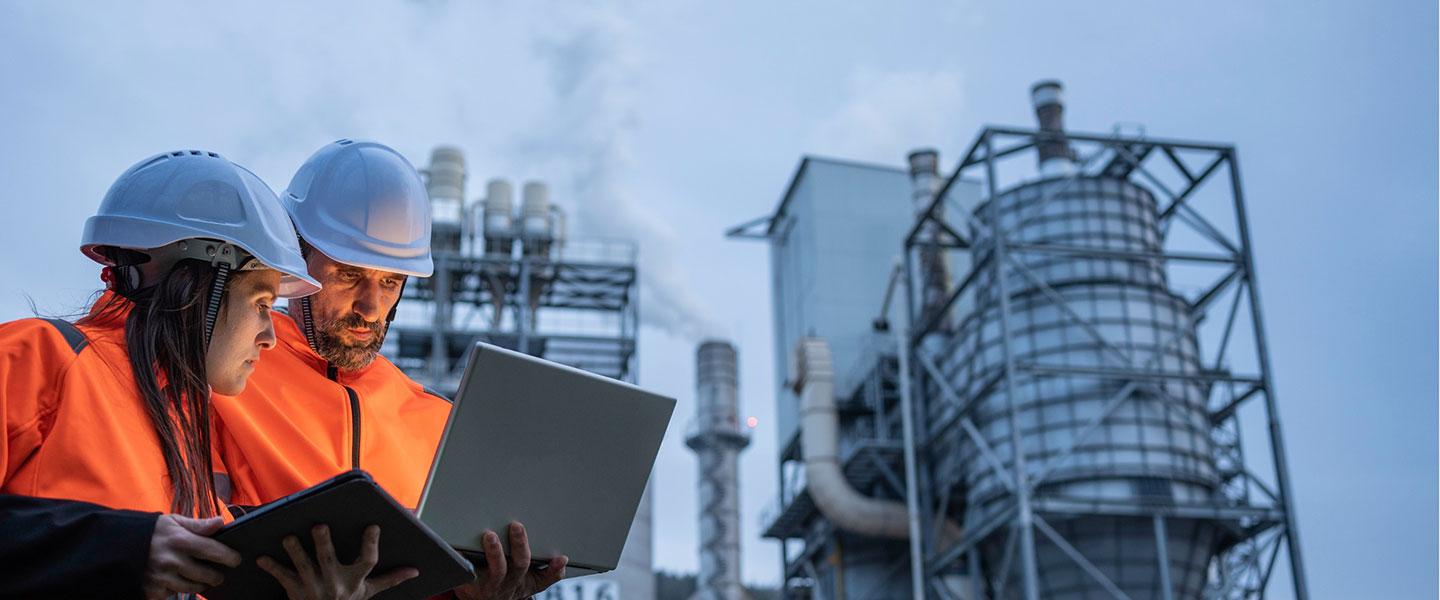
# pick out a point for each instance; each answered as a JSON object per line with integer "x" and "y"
{"x": 535, "y": 231}
{"x": 843, "y": 505}
{"x": 499, "y": 218}
{"x": 446, "y": 179}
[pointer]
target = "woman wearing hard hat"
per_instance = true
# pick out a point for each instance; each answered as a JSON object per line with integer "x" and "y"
{"x": 106, "y": 485}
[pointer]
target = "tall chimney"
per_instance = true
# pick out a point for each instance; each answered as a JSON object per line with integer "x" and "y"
{"x": 717, "y": 439}
{"x": 1056, "y": 156}
{"x": 934, "y": 262}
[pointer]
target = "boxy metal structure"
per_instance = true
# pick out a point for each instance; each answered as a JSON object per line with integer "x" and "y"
{"x": 1072, "y": 413}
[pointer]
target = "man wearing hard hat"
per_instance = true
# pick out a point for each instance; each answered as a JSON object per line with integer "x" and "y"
{"x": 324, "y": 401}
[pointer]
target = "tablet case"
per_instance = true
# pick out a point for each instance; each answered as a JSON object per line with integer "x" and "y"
{"x": 348, "y": 503}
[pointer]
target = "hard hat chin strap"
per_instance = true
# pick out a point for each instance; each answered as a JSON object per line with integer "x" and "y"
{"x": 396, "y": 306}
{"x": 217, "y": 296}
{"x": 307, "y": 324}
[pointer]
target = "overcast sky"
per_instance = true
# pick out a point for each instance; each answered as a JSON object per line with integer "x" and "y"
{"x": 668, "y": 121}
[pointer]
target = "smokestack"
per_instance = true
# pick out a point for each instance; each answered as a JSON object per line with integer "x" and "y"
{"x": 934, "y": 262}
{"x": 717, "y": 439}
{"x": 1056, "y": 156}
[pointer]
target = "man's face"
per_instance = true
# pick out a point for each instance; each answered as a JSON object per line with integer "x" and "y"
{"x": 349, "y": 311}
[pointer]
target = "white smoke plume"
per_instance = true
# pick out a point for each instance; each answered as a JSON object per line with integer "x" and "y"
{"x": 594, "y": 74}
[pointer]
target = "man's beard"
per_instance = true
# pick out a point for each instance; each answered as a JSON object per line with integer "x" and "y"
{"x": 349, "y": 356}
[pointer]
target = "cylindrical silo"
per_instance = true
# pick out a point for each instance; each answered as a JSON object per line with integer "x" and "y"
{"x": 717, "y": 439}
{"x": 1152, "y": 449}
{"x": 499, "y": 219}
{"x": 445, "y": 183}
{"x": 535, "y": 224}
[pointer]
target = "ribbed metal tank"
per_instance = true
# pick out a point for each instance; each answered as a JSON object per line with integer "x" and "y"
{"x": 1149, "y": 450}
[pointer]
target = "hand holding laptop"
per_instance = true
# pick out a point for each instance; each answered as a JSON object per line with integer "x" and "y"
{"x": 514, "y": 578}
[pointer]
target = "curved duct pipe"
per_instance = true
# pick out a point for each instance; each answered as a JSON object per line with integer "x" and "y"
{"x": 845, "y": 506}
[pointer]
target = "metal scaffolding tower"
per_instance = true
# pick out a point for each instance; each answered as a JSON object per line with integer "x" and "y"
{"x": 1078, "y": 347}
{"x": 1059, "y": 254}
{"x": 577, "y": 308}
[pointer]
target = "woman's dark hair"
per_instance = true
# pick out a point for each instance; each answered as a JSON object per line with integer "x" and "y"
{"x": 165, "y": 341}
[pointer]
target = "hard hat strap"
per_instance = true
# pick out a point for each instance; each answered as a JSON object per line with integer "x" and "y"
{"x": 396, "y": 306}
{"x": 217, "y": 295}
{"x": 307, "y": 324}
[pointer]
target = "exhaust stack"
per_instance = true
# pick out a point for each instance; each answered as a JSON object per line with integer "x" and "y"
{"x": 717, "y": 439}
{"x": 1056, "y": 156}
{"x": 934, "y": 261}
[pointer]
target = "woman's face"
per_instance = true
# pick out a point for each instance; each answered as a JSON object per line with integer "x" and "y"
{"x": 242, "y": 330}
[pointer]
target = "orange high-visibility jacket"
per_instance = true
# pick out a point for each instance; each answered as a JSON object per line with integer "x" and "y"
{"x": 75, "y": 427}
{"x": 300, "y": 422}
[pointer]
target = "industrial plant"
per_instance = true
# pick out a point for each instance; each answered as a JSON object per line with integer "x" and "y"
{"x": 1025, "y": 377}
{"x": 512, "y": 276}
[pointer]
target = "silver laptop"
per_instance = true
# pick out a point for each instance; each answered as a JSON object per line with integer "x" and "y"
{"x": 564, "y": 451}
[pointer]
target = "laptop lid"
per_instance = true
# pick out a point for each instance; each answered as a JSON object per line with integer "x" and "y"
{"x": 564, "y": 451}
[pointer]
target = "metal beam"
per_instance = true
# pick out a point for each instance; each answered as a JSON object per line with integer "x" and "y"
{"x": 1277, "y": 442}
{"x": 1125, "y": 254}
{"x": 1134, "y": 373}
{"x": 1162, "y": 556}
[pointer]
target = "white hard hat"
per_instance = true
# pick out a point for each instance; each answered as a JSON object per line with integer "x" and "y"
{"x": 361, "y": 203}
{"x": 196, "y": 195}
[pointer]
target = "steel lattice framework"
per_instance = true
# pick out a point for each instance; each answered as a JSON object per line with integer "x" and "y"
{"x": 498, "y": 299}
{"x": 1258, "y": 519}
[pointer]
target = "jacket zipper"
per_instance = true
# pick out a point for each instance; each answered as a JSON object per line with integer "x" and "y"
{"x": 331, "y": 372}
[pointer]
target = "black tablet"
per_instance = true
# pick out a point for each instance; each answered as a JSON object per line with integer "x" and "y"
{"x": 348, "y": 503}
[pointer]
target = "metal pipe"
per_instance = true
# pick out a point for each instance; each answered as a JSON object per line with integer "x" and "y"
{"x": 912, "y": 499}
{"x": 1162, "y": 556}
